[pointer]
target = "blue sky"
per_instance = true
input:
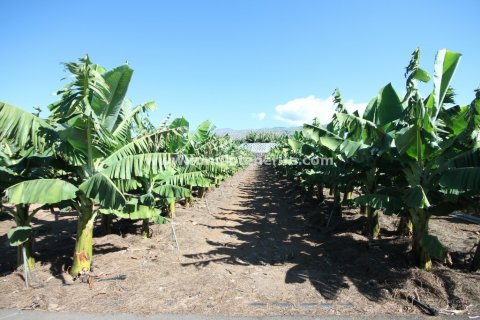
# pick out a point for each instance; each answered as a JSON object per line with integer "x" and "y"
{"x": 241, "y": 64}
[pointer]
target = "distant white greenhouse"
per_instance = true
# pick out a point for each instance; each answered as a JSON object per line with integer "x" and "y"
{"x": 258, "y": 148}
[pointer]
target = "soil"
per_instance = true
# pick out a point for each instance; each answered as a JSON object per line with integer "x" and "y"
{"x": 256, "y": 246}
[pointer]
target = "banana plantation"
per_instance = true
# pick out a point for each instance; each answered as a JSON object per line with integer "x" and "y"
{"x": 410, "y": 156}
{"x": 172, "y": 218}
{"x": 99, "y": 155}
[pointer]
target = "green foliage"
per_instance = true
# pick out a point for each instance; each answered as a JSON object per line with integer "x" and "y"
{"x": 416, "y": 156}
{"x": 433, "y": 246}
{"x": 262, "y": 137}
{"x": 97, "y": 151}
{"x": 17, "y": 236}
{"x": 44, "y": 191}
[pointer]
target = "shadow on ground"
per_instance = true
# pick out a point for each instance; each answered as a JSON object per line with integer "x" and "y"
{"x": 277, "y": 226}
{"x": 54, "y": 244}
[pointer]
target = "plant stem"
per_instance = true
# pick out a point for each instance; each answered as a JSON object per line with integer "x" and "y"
{"x": 405, "y": 226}
{"x": 201, "y": 192}
{"x": 373, "y": 223}
{"x": 476, "y": 259}
{"x": 82, "y": 257}
{"x": 310, "y": 192}
{"x": 188, "y": 201}
{"x": 22, "y": 219}
{"x": 348, "y": 195}
{"x": 171, "y": 209}
{"x": 107, "y": 223}
{"x": 420, "y": 229}
{"x": 363, "y": 209}
{"x": 145, "y": 229}
{"x": 320, "y": 195}
{"x": 336, "y": 202}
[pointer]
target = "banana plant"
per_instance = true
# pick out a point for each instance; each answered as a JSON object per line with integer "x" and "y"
{"x": 462, "y": 174}
{"x": 22, "y": 195}
{"x": 418, "y": 141}
{"x": 175, "y": 183}
{"x": 16, "y": 167}
{"x": 399, "y": 153}
{"x": 217, "y": 157}
{"x": 89, "y": 134}
{"x": 370, "y": 137}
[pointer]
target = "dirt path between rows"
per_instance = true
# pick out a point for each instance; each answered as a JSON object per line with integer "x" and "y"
{"x": 257, "y": 248}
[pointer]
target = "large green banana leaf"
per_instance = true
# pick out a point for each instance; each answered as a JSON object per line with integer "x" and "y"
{"x": 385, "y": 107}
{"x": 108, "y": 109}
{"x": 23, "y": 127}
{"x": 104, "y": 191}
{"x": 446, "y": 63}
{"x": 45, "y": 191}
{"x": 463, "y": 179}
{"x": 133, "y": 211}
{"x": 140, "y": 165}
{"x": 391, "y": 204}
{"x": 172, "y": 191}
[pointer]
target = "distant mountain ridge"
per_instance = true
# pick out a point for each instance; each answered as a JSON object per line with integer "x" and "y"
{"x": 241, "y": 133}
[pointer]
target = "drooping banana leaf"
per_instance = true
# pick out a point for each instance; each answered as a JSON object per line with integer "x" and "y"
{"x": 45, "y": 191}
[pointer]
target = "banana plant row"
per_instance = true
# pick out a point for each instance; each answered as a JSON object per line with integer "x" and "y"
{"x": 98, "y": 155}
{"x": 407, "y": 155}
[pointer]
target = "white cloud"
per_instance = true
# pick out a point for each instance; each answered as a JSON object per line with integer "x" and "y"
{"x": 259, "y": 116}
{"x": 302, "y": 110}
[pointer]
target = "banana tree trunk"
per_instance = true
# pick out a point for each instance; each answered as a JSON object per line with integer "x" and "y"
{"x": 188, "y": 201}
{"x": 172, "y": 211}
{"x": 320, "y": 195}
{"x": 405, "y": 226}
{"x": 420, "y": 229}
{"x": 82, "y": 257}
{"x": 201, "y": 192}
{"x": 373, "y": 223}
{"x": 363, "y": 210}
{"x": 348, "y": 195}
{"x": 55, "y": 213}
{"x": 145, "y": 229}
{"x": 476, "y": 259}
{"x": 336, "y": 202}
{"x": 22, "y": 219}
{"x": 107, "y": 223}
{"x": 310, "y": 192}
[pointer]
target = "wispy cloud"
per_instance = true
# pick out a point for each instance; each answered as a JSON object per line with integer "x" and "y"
{"x": 302, "y": 110}
{"x": 259, "y": 116}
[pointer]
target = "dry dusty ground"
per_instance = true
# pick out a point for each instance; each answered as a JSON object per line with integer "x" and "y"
{"x": 262, "y": 250}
